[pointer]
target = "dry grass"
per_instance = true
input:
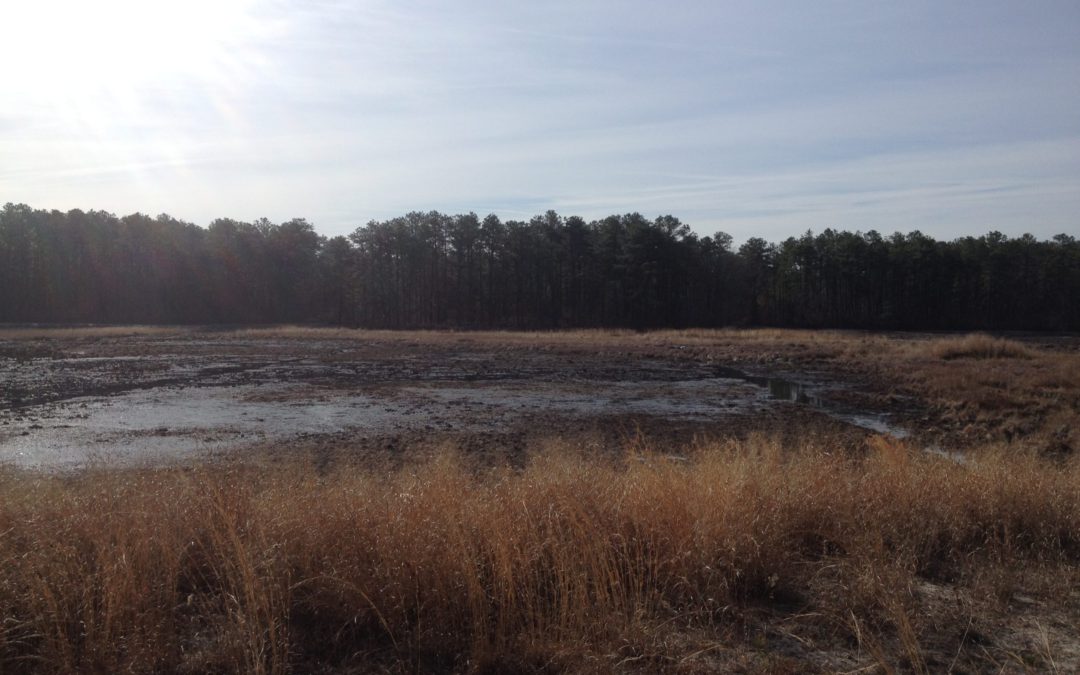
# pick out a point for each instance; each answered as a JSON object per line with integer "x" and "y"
{"x": 508, "y": 338}
{"x": 977, "y": 346}
{"x": 970, "y": 389}
{"x": 758, "y": 343}
{"x": 748, "y": 556}
{"x": 614, "y": 337}
{"x": 74, "y": 333}
{"x": 979, "y": 388}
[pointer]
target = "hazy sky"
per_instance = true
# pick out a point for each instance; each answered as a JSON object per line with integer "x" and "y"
{"x": 755, "y": 118}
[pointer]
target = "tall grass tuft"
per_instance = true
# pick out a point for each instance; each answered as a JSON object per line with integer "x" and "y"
{"x": 571, "y": 562}
{"x": 978, "y": 346}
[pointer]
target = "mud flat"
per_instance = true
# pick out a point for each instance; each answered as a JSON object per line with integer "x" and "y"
{"x": 681, "y": 501}
{"x": 75, "y": 399}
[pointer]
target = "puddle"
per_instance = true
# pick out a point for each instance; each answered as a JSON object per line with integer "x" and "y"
{"x": 153, "y": 425}
{"x": 169, "y": 423}
{"x": 778, "y": 388}
{"x": 125, "y": 410}
{"x": 797, "y": 392}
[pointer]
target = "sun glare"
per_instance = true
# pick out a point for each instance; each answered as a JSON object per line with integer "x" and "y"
{"x": 119, "y": 46}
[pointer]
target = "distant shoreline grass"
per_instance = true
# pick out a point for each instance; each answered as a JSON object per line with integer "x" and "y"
{"x": 974, "y": 388}
{"x": 748, "y": 555}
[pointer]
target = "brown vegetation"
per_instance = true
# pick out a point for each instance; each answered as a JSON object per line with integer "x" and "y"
{"x": 744, "y": 556}
{"x": 956, "y": 391}
{"x": 966, "y": 390}
{"x": 978, "y": 346}
{"x": 82, "y": 332}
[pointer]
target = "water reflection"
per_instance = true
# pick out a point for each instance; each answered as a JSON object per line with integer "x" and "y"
{"x": 797, "y": 392}
{"x": 779, "y": 388}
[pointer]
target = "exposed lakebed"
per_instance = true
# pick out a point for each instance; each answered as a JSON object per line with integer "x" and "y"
{"x": 143, "y": 399}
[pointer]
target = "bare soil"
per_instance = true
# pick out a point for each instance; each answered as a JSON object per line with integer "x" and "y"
{"x": 76, "y": 399}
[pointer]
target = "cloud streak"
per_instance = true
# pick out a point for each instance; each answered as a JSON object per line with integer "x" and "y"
{"x": 756, "y": 118}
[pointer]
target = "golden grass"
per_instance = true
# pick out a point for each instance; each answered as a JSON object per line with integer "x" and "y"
{"x": 978, "y": 346}
{"x": 769, "y": 342}
{"x": 585, "y": 336}
{"x": 71, "y": 333}
{"x": 805, "y": 343}
{"x": 570, "y": 563}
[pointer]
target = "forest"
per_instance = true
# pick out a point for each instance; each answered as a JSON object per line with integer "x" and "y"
{"x": 433, "y": 270}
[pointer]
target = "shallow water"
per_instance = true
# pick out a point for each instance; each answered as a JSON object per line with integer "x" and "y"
{"x": 778, "y": 387}
{"x": 800, "y": 392}
{"x": 151, "y": 425}
{"x": 238, "y": 402}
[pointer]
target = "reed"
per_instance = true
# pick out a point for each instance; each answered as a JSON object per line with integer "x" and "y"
{"x": 84, "y": 332}
{"x": 979, "y": 346}
{"x": 745, "y": 554}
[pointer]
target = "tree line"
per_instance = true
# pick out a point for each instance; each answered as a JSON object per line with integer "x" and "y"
{"x": 432, "y": 270}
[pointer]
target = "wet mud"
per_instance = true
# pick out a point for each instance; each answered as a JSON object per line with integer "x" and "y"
{"x": 147, "y": 399}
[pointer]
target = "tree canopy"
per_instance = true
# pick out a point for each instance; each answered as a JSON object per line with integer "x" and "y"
{"x": 432, "y": 270}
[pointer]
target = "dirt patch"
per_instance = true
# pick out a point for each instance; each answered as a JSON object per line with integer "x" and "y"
{"x": 148, "y": 397}
{"x": 97, "y": 391}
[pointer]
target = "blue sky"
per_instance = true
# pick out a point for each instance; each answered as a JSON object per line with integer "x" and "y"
{"x": 755, "y": 118}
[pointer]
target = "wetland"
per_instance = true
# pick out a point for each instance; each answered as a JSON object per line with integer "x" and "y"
{"x": 298, "y": 499}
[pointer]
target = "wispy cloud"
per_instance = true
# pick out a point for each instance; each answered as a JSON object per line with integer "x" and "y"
{"x": 755, "y": 118}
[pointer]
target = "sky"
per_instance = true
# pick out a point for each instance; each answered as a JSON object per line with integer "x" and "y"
{"x": 754, "y": 118}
